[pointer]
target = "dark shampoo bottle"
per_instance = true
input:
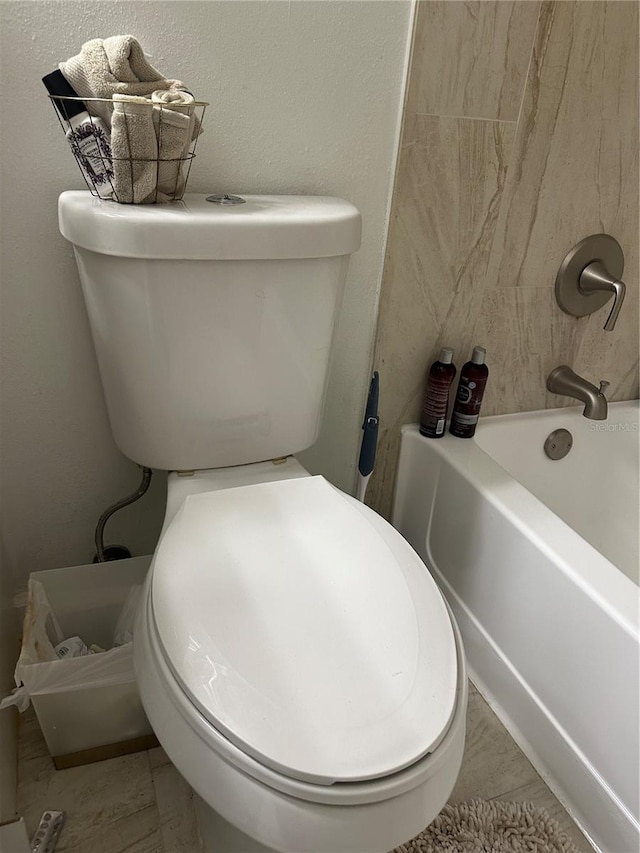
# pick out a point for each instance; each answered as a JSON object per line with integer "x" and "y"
{"x": 466, "y": 408}
{"x": 436, "y": 399}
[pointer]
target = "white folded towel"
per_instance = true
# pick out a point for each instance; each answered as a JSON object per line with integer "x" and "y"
{"x": 113, "y": 66}
{"x": 135, "y": 150}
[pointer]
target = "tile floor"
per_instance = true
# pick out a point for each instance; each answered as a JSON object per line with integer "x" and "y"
{"x": 140, "y": 804}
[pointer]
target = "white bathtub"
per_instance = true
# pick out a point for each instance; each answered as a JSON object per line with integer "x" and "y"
{"x": 538, "y": 560}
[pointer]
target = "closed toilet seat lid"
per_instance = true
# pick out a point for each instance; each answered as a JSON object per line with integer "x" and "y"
{"x": 305, "y": 629}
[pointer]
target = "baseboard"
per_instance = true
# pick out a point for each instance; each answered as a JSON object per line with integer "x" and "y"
{"x": 102, "y": 753}
{"x": 610, "y": 827}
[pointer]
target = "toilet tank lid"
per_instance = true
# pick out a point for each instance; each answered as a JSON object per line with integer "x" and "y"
{"x": 265, "y": 227}
{"x": 305, "y": 629}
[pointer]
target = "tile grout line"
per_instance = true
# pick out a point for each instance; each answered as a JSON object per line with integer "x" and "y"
{"x": 529, "y": 64}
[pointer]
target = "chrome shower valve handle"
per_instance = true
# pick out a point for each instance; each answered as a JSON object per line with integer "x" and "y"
{"x": 595, "y": 278}
{"x": 588, "y": 275}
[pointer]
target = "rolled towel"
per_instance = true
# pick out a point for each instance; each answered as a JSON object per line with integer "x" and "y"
{"x": 135, "y": 150}
{"x": 179, "y": 101}
{"x": 173, "y": 132}
{"x": 174, "y": 99}
{"x": 113, "y": 66}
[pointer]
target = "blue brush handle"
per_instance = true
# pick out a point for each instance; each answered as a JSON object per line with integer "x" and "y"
{"x": 367, "y": 459}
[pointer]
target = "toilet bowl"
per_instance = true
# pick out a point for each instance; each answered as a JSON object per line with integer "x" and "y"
{"x": 293, "y": 654}
{"x": 298, "y": 665}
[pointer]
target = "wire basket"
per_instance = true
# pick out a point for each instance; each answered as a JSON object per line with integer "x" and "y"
{"x": 144, "y": 157}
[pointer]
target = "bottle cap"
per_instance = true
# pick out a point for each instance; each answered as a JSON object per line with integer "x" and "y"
{"x": 479, "y": 354}
{"x": 57, "y": 84}
{"x": 446, "y": 355}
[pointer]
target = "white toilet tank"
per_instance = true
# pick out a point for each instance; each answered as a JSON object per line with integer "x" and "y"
{"x": 212, "y": 323}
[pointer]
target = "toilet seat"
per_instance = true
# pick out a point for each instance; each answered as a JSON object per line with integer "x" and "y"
{"x": 305, "y": 630}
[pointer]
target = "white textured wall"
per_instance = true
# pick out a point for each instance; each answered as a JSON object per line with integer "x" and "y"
{"x": 305, "y": 98}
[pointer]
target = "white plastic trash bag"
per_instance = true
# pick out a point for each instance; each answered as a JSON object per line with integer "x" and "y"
{"x": 41, "y": 631}
{"x": 40, "y": 671}
{"x": 123, "y": 633}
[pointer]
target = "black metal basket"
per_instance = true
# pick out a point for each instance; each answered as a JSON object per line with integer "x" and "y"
{"x": 147, "y": 157}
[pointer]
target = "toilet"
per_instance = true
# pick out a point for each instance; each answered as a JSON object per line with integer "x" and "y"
{"x": 294, "y": 655}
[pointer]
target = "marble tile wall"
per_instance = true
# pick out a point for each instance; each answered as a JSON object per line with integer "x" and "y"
{"x": 520, "y": 137}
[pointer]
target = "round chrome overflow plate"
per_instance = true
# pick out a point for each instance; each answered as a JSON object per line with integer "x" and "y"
{"x": 225, "y": 199}
{"x": 558, "y": 444}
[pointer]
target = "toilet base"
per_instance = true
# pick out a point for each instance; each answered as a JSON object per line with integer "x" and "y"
{"x": 219, "y": 836}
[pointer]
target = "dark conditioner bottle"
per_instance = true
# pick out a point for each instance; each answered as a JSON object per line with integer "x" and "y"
{"x": 436, "y": 398}
{"x": 466, "y": 408}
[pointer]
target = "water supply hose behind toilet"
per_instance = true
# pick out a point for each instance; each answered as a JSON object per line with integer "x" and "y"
{"x": 106, "y": 515}
{"x": 367, "y": 460}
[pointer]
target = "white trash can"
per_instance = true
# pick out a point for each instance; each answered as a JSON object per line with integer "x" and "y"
{"x": 88, "y": 707}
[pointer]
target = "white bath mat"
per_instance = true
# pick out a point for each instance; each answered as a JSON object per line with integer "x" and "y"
{"x": 479, "y": 826}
